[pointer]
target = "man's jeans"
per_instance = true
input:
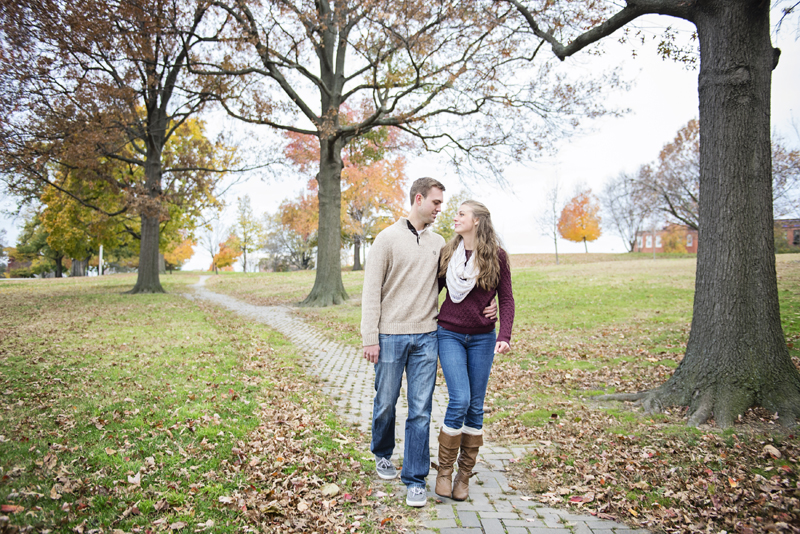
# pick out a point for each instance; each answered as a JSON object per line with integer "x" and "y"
{"x": 416, "y": 354}
{"x": 466, "y": 362}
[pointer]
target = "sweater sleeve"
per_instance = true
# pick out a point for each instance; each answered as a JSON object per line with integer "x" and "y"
{"x": 374, "y": 274}
{"x": 505, "y": 296}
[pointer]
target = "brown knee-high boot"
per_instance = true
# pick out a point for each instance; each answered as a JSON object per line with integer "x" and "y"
{"x": 470, "y": 444}
{"x": 448, "y": 450}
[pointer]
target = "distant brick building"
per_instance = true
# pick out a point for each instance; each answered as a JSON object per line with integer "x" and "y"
{"x": 792, "y": 229}
{"x": 688, "y": 236}
{"x": 669, "y": 237}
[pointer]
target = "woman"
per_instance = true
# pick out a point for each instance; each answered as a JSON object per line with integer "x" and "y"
{"x": 474, "y": 269}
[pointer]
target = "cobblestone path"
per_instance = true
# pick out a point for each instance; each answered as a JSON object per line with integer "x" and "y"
{"x": 493, "y": 507}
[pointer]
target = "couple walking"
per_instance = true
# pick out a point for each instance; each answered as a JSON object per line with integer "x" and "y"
{"x": 408, "y": 266}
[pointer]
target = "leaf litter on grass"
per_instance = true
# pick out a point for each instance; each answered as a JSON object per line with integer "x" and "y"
{"x": 200, "y": 426}
{"x": 610, "y": 459}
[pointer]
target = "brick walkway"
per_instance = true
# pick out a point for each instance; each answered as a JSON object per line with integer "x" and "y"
{"x": 493, "y": 507}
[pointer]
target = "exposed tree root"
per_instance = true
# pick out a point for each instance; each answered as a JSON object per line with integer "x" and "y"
{"x": 145, "y": 290}
{"x": 723, "y": 404}
{"x": 624, "y": 397}
{"x": 320, "y": 299}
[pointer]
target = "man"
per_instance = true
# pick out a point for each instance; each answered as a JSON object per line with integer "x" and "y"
{"x": 398, "y": 330}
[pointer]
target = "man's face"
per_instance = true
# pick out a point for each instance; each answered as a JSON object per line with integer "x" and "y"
{"x": 429, "y": 207}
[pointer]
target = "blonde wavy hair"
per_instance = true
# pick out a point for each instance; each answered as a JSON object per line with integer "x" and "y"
{"x": 486, "y": 248}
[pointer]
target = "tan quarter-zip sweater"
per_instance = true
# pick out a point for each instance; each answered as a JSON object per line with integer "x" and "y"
{"x": 400, "y": 294}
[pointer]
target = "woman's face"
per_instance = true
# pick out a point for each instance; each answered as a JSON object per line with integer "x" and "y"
{"x": 465, "y": 221}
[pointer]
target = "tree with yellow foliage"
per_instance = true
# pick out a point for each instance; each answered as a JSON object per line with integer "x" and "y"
{"x": 580, "y": 219}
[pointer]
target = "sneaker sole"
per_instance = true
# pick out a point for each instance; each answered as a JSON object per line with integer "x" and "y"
{"x": 417, "y": 504}
{"x": 387, "y": 477}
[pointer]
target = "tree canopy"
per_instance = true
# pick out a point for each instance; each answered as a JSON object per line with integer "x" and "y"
{"x": 111, "y": 91}
{"x": 447, "y": 73}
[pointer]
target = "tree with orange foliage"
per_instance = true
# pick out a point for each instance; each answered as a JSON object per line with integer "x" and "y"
{"x": 580, "y": 219}
{"x": 229, "y": 251}
{"x": 180, "y": 253}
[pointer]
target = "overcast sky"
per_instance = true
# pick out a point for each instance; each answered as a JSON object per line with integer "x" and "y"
{"x": 663, "y": 98}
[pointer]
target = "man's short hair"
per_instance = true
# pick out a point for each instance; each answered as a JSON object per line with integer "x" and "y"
{"x": 423, "y": 186}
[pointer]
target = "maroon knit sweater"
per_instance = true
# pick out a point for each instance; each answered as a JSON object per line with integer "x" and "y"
{"x": 467, "y": 317}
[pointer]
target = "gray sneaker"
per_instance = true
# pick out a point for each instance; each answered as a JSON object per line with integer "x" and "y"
{"x": 416, "y": 496}
{"x": 385, "y": 468}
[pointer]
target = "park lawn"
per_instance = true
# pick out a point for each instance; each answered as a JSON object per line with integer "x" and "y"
{"x": 584, "y": 328}
{"x": 145, "y": 413}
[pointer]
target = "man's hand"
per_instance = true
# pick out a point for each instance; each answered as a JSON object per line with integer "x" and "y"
{"x": 371, "y": 353}
{"x": 501, "y": 346}
{"x": 490, "y": 311}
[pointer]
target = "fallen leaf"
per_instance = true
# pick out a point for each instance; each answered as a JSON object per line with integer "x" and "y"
{"x": 772, "y": 451}
{"x": 136, "y": 479}
{"x": 329, "y": 490}
{"x": 11, "y": 508}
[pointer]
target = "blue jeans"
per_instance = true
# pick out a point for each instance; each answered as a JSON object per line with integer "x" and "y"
{"x": 415, "y": 354}
{"x": 466, "y": 362}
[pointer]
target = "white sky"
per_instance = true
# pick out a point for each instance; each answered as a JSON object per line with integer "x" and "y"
{"x": 662, "y": 100}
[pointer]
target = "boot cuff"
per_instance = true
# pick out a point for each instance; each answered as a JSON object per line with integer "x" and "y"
{"x": 471, "y": 440}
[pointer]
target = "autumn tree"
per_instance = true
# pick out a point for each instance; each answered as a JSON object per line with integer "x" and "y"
{"x": 736, "y": 356}
{"x": 32, "y": 246}
{"x": 580, "y": 219}
{"x": 373, "y": 182}
{"x": 301, "y": 218}
{"x": 673, "y": 239}
{"x": 111, "y": 87}
{"x": 229, "y": 251}
{"x": 178, "y": 254}
{"x": 628, "y": 203}
{"x": 445, "y": 72}
{"x": 675, "y": 181}
{"x": 248, "y": 229}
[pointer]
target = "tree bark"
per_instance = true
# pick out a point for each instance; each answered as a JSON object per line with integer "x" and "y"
{"x": 328, "y": 287}
{"x": 357, "y": 255}
{"x": 736, "y": 356}
{"x": 147, "y": 280}
{"x": 79, "y": 267}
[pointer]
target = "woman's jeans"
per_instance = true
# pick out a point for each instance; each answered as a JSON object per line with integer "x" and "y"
{"x": 416, "y": 355}
{"x": 466, "y": 361}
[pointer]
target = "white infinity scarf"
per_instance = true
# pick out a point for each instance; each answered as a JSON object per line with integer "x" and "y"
{"x": 461, "y": 274}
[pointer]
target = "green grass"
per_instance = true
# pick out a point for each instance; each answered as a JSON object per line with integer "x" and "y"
{"x": 124, "y": 411}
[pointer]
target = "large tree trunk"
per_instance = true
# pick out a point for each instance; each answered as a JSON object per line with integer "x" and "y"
{"x": 59, "y": 267}
{"x": 736, "y": 356}
{"x": 328, "y": 287}
{"x": 147, "y": 280}
{"x": 79, "y": 267}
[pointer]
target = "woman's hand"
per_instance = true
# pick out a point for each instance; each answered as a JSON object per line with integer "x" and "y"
{"x": 501, "y": 346}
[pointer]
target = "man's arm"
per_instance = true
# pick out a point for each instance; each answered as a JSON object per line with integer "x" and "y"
{"x": 374, "y": 275}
